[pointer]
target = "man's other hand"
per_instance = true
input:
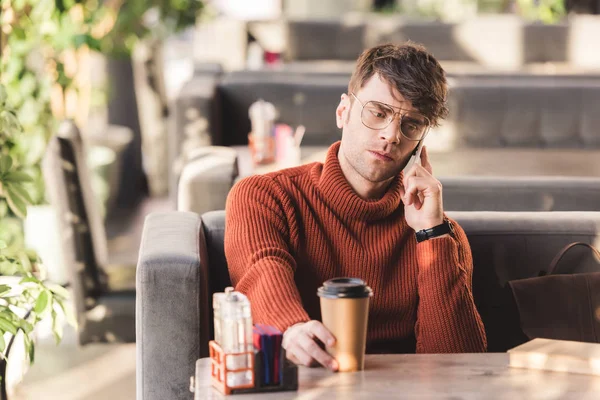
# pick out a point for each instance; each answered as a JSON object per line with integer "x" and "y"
{"x": 300, "y": 343}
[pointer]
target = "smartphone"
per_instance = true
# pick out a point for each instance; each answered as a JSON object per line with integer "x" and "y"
{"x": 416, "y": 156}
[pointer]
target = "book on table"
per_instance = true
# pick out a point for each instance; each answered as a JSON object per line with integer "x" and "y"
{"x": 557, "y": 355}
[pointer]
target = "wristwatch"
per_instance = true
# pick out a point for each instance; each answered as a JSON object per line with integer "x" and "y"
{"x": 439, "y": 230}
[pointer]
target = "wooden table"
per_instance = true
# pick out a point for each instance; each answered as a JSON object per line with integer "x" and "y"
{"x": 428, "y": 376}
{"x": 246, "y": 167}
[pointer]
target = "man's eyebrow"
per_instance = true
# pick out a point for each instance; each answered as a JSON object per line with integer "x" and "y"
{"x": 414, "y": 120}
{"x": 396, "y": 107}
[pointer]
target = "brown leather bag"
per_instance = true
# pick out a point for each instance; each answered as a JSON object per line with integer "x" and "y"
{"x": 564, "y": 304}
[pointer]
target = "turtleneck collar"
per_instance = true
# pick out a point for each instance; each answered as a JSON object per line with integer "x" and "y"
{"x": 340, "y": 196}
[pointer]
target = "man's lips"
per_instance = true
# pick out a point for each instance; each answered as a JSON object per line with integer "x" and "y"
{"x": 381, "y": 155}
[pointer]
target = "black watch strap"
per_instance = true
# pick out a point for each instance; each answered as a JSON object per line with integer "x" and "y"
{"x": 439, "y": 230}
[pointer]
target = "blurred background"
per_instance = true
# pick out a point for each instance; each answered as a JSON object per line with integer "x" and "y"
{"x": 114, "y": 109}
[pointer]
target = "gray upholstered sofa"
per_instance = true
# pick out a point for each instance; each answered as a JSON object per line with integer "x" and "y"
{"x": 181, "y": 263}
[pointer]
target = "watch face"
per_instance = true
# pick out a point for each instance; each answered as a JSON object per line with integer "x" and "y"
{"x": 421, "y": 235}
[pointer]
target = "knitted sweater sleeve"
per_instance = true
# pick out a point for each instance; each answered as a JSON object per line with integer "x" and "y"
{"x": 447, "y": 320}
{"x": 258, "y": 255}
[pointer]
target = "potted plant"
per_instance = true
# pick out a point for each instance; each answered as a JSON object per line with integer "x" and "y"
{"x": 41, "y": 43}
{"x": 25, "y": 296}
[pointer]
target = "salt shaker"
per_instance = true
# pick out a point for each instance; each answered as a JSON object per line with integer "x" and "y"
{"x": 233, "y": 332}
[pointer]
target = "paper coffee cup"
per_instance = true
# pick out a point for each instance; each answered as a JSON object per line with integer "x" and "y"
{"x": 345, "y": 312}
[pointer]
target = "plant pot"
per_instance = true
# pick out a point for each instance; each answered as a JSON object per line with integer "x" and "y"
{"x": 100, "y": 161}
{"x": 42, "y": 234}
{"x": 13, "y": 372}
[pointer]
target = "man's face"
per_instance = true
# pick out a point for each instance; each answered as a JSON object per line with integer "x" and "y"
{"x": 377, "y": 155}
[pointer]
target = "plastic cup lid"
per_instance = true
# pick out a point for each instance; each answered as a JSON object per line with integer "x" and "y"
{"x": 348, "y": 288}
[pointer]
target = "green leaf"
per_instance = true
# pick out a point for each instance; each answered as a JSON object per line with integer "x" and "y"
{"x": 9, "y": 315}
{"x": 34, "y": 147}
{"x": 58, "y": 290}
{"x": 28, "y": 84}
{"x": 16, "y": 204}
{"x": 28, "y": 279}
{"x": 60, "y": 6}
{"x": 25, "y": 263}
{"x": 14, "y": 67}
{"x": 17, "y": 176}
{"x": 11, "y": 123}
{"x": 69, "y": 314}
{"x": 2, "y": 344}
{"x": 79, "y": 40}
{"x": 57, "y": 327}
{"x": 30, "y": 111}
{"x": 43, "y": 302}
{"x": 3, "y": 245}
{"x": 19, "y": 191}
{"x": 87, "y": 39}
{"x": 4, "y": 289}
{"x": 3, "y": 95}
{"x": 26, "y": 326}
{"x": 29, "y": 348}
{"x": 7, "y": 326}
{"x": 31, "y": 351}
{"x": 5, "y": 164}
{"x": 8, "y": 268}
{"x": 3, "y": 208}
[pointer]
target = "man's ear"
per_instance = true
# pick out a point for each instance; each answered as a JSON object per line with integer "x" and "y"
{"x": 341, "y": 113}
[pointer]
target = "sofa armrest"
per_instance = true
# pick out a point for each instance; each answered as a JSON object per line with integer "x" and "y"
{"x": 206, "y": 179}
{"x": 169, "y": 285}
{"x": 521, "y": 193}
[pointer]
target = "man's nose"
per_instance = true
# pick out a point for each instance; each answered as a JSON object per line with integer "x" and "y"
{"x": 391, "y": 134}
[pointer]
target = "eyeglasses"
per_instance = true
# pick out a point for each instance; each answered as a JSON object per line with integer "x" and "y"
{"x": 376, "y": 115}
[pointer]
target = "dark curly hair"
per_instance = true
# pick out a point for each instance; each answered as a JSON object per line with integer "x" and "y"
{"x": 413, "y": 71}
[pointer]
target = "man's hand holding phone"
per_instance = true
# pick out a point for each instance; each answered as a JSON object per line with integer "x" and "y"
{"x": 422, "y": 194}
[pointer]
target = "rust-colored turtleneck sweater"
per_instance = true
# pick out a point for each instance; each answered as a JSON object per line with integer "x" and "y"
{"x": 289, "y": 231}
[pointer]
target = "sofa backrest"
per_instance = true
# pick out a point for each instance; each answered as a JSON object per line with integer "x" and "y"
{"x": 536, "y": 193}
{"x": 524, "y": 111}
{"x": 517, "y": 110}
{"x": 324, "y": 40}
{"x": 495, "y": 40}
{"x": 505, "y": 246}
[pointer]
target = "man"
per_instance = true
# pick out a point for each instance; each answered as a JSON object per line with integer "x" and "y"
{"x": 357, "y": 215}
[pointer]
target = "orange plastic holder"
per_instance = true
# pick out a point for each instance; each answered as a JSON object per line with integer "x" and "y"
{"x": 219, "y": 372}
{"x": 218, "y": 361}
